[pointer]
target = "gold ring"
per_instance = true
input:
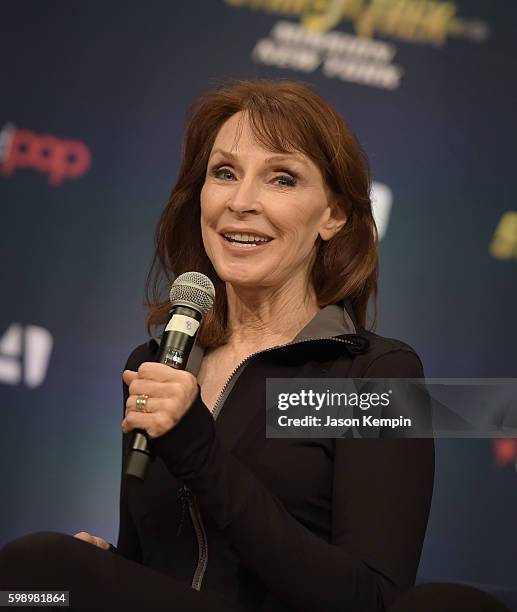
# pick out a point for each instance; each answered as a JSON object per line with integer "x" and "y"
{"x": 140, "y": 403}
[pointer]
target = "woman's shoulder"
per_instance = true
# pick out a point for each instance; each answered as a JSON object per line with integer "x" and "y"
{"x": 387, "y": 357}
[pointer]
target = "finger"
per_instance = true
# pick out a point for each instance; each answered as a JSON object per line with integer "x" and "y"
{"x": 144, "y": 386}
{"x": 154, "y": 424}
{"x": 152, "y": 404}
{"x": 128, "y": 376}
{"x": 101, "y": 543}
{"x": 85, "y": 537}
{"x": 90, "y": 539}
{"x": 159, "y": 372}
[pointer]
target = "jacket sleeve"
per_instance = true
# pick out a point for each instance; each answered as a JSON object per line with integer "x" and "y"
{"x": 128, "y": 543}
{"x": 380, "y": 510}
{"x": 382, "y": 507}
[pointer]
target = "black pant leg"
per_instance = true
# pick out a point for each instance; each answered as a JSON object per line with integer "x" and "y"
{"x": 97, "y": 579}
{"x": 446, "y": 597}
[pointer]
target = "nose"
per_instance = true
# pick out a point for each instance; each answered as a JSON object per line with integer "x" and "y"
{"x": 245, "y": 198}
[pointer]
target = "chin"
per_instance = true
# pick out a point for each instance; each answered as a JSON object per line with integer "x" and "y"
{"x": 239, "y": 279}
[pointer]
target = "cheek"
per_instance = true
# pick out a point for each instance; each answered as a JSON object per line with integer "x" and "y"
{"x": 302, "y": 220}
{"x": 209, "y": 205}
{"x": 206, "y": 236}
{"x": 203, "y": 201}
{"x": 206, "y": 214}
{"x": 210, "y": 213}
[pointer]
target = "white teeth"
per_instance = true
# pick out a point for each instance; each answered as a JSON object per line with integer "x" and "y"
{"x": 246, "y": 237}
{"x": 242, "y": 245}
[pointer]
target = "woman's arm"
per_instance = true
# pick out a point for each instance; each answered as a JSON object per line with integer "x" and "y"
{"x": 381, "y": 498}
{"x": 388, "y": 500}
{"x": 128, "y": 544}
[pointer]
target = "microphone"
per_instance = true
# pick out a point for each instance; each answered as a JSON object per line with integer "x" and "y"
{"x": 192, "y": 296}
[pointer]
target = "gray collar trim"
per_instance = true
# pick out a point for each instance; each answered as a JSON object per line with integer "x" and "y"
{"x": 332, "y": 320}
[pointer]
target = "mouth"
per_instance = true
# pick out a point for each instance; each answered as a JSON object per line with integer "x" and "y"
{"x": 245, "y": 243}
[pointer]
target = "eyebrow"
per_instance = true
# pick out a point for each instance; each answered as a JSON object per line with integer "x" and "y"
{"x": 269, "y": 160}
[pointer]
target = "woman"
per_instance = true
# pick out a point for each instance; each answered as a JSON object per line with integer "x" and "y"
{"x": 292, "y": 522}
{"x": 272, "y": 203}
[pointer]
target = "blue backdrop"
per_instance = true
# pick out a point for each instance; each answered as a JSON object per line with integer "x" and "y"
{"x": 91, "y": 119}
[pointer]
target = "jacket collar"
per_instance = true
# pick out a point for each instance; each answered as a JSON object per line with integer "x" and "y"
{"x": 332, "y": 320}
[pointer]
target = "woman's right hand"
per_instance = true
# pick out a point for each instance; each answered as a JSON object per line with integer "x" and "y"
{"x": 86, "y": 537}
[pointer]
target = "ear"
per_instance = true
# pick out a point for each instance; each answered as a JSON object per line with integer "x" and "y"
{"x": 336, "y": 219}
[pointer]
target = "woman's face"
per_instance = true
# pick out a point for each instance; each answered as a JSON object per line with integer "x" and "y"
{"x": 251, "y": 192}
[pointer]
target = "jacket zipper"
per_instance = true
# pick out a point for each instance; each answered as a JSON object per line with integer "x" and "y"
{"x": 186, "y": 496}
{"x": 187, "y": 499}
{"x": 216, "y": 409}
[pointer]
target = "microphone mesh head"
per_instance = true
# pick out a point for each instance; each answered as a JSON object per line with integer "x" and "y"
{"x": 193, "y": 289}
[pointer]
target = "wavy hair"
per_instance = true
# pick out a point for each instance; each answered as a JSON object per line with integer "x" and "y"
{"x": 284, "y": 116}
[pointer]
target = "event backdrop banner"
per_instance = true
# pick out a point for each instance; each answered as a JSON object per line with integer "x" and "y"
{"x": 92, "y": 111}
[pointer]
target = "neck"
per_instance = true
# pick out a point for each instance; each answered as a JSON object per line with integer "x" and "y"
{"x": 260, "y": 319}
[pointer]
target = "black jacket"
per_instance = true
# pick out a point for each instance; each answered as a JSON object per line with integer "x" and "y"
{"x": 284, "y": 524}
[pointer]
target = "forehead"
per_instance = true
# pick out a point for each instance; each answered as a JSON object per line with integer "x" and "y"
{"x": 237, "y": 135}
{"x": 234, "y": 131}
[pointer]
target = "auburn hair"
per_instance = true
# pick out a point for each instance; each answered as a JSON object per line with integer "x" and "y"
{"x": 285, "y": 117}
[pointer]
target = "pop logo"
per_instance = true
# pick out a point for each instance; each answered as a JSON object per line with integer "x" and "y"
{"x": 505, "y": 450}
{"x": 60, "y": 159}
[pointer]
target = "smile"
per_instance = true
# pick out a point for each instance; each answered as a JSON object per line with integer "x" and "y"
{"x": 234, "y": 246}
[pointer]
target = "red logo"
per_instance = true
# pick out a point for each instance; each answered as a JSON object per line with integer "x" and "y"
{"x": 505, "y": 450}
{"x": 60, "y": 159}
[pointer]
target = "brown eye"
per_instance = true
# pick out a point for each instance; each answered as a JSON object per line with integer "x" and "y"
{"x": 286, "y": 180}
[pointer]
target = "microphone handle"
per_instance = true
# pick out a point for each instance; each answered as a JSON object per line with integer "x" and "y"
{"x": 177, "y": 341}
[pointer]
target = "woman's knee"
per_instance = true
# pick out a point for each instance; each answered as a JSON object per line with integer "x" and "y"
{"x": 19, "y": 558}
{"x": 39, "y": 544}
